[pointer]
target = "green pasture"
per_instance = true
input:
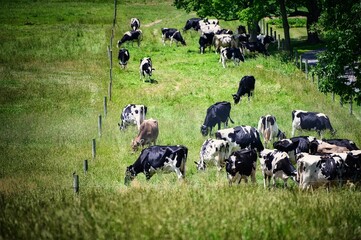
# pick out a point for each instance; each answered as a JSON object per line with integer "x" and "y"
{"x": 54, "y": 75}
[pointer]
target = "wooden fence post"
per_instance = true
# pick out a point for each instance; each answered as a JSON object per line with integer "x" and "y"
{"x": 105, "y": 106}
{"x": 75, "y": 183}
{"x": 266, "y": 28}
{"x": 279, "y": 41}
{"x": 110, "y": 90}
{"x": 93, "y": 148}
{"x": 275, "y": 34}
{"x": 351, "y": 106}
{"x": 296, "y": 57}
{"x": 301, "y": 62}
{"x": 85, "y": 166}
{"x": 100, "y": 125}
{"x": 306, "y": 68}
{"x": 271, "y": 31}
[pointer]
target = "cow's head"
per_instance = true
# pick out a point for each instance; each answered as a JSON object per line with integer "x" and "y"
{"x": 129, "y": 175}
{"x": 204, "y": 130}
{"x": 236, "y": 98}
{"x": 136, "y": 143}
{"x": 201, "y": 165}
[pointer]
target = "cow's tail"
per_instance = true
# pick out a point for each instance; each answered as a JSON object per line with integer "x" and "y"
{"x": 230, "y": 119}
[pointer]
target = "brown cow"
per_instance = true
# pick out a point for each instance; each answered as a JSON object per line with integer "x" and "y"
{"x": 148, "y": 133}
{"x": 320, "y": 147}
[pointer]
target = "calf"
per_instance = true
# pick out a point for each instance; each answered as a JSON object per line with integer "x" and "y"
{"x": 123, "y": 57}
{"x": 246, "y": 86}
{"x": 148, "y": 134}
{"x": 132, "y": 114}
{"x": 134, "y": 23}
{"x": 213, "y": 151}
{"x": 234, "y": 54}
{"x": 216, "y": 114}
{"x": 303, "y": 120}
{"x": 315, "y": 171}
{"x": 146, "y": 68}
{"x": 158, "y": 158}
{"x": 276, "y": 164}
{"x": 192, "y": 23}
{"x": 131, "y": 36}
{"x": 268, "y": 127}
{"x": 240, "y": 165}
{"x": 172, "y": 34}
{"x": 205, "y": 40}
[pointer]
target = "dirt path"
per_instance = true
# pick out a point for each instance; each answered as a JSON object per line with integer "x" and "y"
{"x": 153, "y": 23}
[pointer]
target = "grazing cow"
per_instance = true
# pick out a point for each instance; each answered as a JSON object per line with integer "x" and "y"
{"x": 241, "y": 137}
{"x": 134, "y": 23}
{"x": 321, "y": 147}
{"x": 268, "y": 127}
{"x": 146, "y": 67}
{"x": 158, "y": 158}
{"x": 303, "y": 120}
{"x": 172, "y": 34}
{"x": 294, "y": 146}
{"x": 123, "y": 57}
{"x": 216, "y": 114}
{"x": 246, "y": 85}
{"x": 254, "y": 47}
{"x": 314, "y": 171}
{"x": 213, "y": 151}
{"x": 352, "y": 162}
{"x": 205, "y": 40}
{"x": 148, "y": 134}
{"x": 222, "y": 40}
{"x": 234, "y": 54}
{"x": 131, "y": 36}
{"x": 266, "y": 40}
{"x": 132, "y": 114}
{"x": 276, "y": 164}
{"x": 240, "y": 165}
{"x": 192, "y": 23}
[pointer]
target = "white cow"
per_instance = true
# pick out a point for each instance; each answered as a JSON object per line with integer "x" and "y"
{"x": 213, "y": 151}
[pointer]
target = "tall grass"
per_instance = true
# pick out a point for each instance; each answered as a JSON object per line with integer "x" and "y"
{"x": 54, "y": 73}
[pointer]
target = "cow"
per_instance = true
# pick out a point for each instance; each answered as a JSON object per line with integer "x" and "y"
{"x": 266, "y": 40}
{"x": 148, "y": 134}
{"x": 214, "y": 152}
{"x": 224, "y": 31}
{"x": 241, "y": 29}
{"x": 246, "y": 86}
{"x": 276, "y": 164}
{"x": 352, "y": 160}
{"x": 216, "y": 114}
{"x": 134, "y": 23}
{"x": 132, "y": 114}
{"x": 123, "y": 57}
{"x": 158, "y": 159}
{"x": 205, "y": 40}
{"x": 240, "y": 40}
{"x": 350, "y": 145}
{"x": 172, "y": 34}
{"x": 210, "y": 21}
{"x": 222, "y": 40}
{"x": 240, "y": 165}
{"x": 234, "y": 54}
{"x": 294, "y": 146}
{"x": 131, "y": 36}
{"x": 254, "y": 47}
{"x": 241, "y": 137}
{"x": 268, "y": 127}
{"x": 192, "y": 23}
{"x": 209, "y": 28}
{"x": 146, "y": 68}
{"x": 303, "y": 120}
{"x": 315, "y": 171}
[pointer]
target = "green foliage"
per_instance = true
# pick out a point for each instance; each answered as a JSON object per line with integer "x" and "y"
{"x": 293, "y": 22}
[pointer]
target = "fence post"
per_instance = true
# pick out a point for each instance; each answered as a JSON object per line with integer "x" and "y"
{"x": 105, "y": 106}
{"x": 100, "y": 125}
{"x": 266, "y": 28}
{"x": 301, "y": 62}
{"x": 75, "y": 183}
{"x": 351, "y": 106}
{"x": 110, "y": 91}
{"x": 313, "y": 77}
{"x": 306, "y": 68}
{"x": 296, "y": 57}
{"x": 275, "y": 34}
{"x": 85, "y": 166}
{"x": 271, "y": 31}
{"x": 93, "y": 148}
{"x": 279, "y": 41}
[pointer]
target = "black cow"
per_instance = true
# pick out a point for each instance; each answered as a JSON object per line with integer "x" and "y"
{"x": 131, "y": 36}
{"x": 158, "y": 158}
{"x": 146, "y": 67}
{"x": 205, "y": 40}
{"x": 216, "y": 114}
{"x": 294, "y": 146}
{"x": 266, "y": 40}
{"x": 230, "y": 53}
{"x": 123, "y": 57}
{"x": 134, "y": 23}
{"x": 246, "y": 86}
{"x": 192, "y": 23}
{"x": 253, "y": 47}
{"x": 241, "y": 29}
{"x": 240, "y": 165}
{"x": 172, "y": 34}
{"x": 241, "y": 137}
{"x": 303, "y": 120}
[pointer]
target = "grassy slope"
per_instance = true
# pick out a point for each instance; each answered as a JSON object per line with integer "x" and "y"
{"x": 54, "y": 75}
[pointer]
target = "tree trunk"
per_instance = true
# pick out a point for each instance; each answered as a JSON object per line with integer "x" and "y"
{"x": 286, "y": 26}
{"x": 314, "y": 12}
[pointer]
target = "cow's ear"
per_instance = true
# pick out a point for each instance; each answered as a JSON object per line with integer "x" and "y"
{"x": 196, "y": 163}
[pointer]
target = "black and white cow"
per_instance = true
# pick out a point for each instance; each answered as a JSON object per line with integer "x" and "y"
{"x": 246, "y": 86}
{"x": 123, "y": 57}
{"x": 303, "y": 120}
{"x": 225, "y": 31}
{"x": 132, "y": 114}
{"x": 266, "y": 40}
{"x": 241, "y": 137}
{"x": 254, "y": 47}
{"x": 240, "y": 165}
{"x": 192, "y": 23}
{"x": 216, "y": 114}
{"x": 134, "y": 23}
{"x": 276, "y": 164}
{"x": 352, "y": 169}
{"x": 315, "y": 171}
{"x": 241, "y": 29}
{"x": 158, "y": 158}
{"x": 294, "y": 146}
{"x": 172, "y": 34}
{"x": 222, "y": 41}
{"x": 234, "y": 54}
{"x": 240, "y": 40}
{"x": 146, "y": 67}
{"x": 205, "y": 40}
{"x": 209, "y": 28}
{"x": 213, "y": 152}
{"x": 131, "y": 36}
{"x": 268, "y": 127}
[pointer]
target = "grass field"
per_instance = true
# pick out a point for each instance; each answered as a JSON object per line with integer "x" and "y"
{"x": 54, "y": 74}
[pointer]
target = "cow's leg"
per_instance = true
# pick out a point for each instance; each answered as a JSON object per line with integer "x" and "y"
{"x": 219, "y": 125}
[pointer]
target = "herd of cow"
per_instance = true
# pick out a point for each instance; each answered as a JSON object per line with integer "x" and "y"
{"x": 309, "y": 161}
